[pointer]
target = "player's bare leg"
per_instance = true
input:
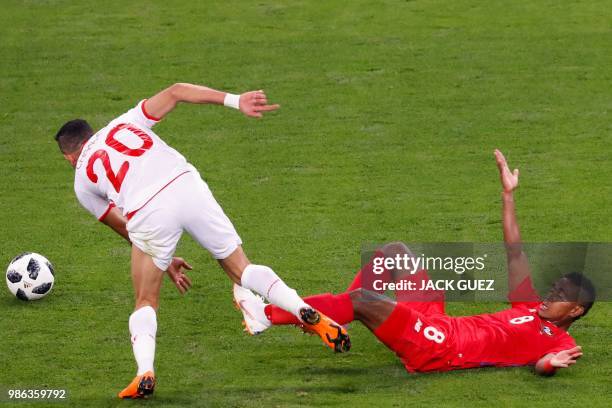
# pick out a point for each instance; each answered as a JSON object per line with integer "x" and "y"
{"x": 147, "y": 279}
{"x": 371, "y": 308}
{"x": 264, "y": 281}
{"x": 235, "y": 264}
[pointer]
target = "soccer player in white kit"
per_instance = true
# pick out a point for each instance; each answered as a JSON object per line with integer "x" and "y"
{"x": 147, "y": 192}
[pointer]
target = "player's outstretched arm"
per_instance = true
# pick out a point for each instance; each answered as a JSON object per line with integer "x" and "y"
{"x": 518, "y": 266}
{"x": 509, "y": 182}
{"x": 550, "y": 363}
{"x": 253, "y": 103}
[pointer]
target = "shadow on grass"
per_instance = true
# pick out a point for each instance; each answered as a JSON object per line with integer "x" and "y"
{"x": 397, "y": 370}
{"x": 216, "y": 396}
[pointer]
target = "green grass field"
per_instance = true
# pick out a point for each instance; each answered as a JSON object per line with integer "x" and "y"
{"x": 390, "y": 114}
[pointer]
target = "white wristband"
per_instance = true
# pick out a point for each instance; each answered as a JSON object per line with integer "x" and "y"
{"x": 232, "y": 101}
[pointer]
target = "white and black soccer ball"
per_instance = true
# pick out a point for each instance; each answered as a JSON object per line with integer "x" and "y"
{"x": 30, "y": 276}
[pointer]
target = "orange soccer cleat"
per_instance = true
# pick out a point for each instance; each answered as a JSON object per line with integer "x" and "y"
{"x": 333, "y": 335}
{"x": 141, "y": 387}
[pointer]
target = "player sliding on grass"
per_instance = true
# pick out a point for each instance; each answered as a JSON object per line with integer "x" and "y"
{"x": 530, "y": 332}
{"x": 132, "y": 181}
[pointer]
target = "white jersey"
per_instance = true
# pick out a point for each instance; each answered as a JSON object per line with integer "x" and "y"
{"x": 125, "y": 164}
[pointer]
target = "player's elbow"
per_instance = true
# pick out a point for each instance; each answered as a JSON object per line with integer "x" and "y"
{"x": 177, "y": 90}
{"x": 514, "y": 250}
{"x": 393, "y": 249}
{"x": 174, "y": 90}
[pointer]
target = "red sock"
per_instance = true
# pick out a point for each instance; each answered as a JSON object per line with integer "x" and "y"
{"x": 337, "y": 307}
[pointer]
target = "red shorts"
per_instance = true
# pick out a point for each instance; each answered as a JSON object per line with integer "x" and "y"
{"x": 421, "y": 335}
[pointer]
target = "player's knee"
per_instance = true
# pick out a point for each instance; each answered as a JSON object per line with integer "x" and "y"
{"x": 360, "y": 295}
{"x": 392, "y": 249}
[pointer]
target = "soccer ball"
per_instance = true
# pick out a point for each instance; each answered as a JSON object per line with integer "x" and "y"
{"x": 30, "y": 276}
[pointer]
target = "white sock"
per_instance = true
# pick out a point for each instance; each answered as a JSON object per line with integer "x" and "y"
{"x": 143, "y": 328}
{"x": 259, "y": 309}
{"x": 263, "y": 280}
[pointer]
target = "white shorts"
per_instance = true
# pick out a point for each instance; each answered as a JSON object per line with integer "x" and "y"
{"x": 185, "y": 204}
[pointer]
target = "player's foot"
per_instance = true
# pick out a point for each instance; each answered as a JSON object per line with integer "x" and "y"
{"x": 141, "y": 387}
{"x": 252, "y": 308}
{"x": 332, "y": 334}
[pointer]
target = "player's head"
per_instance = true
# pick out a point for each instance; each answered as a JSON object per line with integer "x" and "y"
{"x": 71, "y": 137}
{"x": 570, "y": 298}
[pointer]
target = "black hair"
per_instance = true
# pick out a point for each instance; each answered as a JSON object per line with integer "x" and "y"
{"x": 586, "y": 291}
{"x": 72, "y": 135}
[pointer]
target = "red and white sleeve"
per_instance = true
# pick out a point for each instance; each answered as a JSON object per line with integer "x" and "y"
{"x": 139, "y": 116}
{"x": 98, "y": 206}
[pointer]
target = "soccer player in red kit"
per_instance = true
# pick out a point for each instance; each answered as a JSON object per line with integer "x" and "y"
{"x": 530, "y": 332}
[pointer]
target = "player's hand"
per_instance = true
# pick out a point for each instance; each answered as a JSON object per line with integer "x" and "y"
{"x": 176, "y": 274}
{"x": 566, "y": 358}
{"x": 255, "y": 103}
{"x": 508, "y": 179}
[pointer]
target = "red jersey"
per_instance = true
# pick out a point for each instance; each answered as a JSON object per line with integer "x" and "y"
{"x": 512, "y": 337}
{"x": 426, "y": 339}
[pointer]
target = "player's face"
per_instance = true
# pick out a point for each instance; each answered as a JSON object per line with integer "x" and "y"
{"x": 556, "y": 311}
{"x": 561, "y": 302}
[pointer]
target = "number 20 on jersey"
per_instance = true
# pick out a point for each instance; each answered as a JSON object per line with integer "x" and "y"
{"x": 116, "y": 179}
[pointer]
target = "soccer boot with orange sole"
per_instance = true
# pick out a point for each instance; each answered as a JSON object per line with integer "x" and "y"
{"x": 141, "y": 387}
{"x": 333, "y": 335}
